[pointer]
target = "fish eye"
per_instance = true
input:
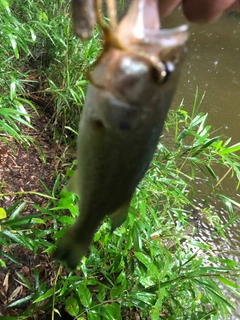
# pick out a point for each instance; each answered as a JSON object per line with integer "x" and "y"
{"x": 162, "y": 76}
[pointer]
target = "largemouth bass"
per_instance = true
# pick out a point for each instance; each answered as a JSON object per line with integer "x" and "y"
{"x": 133, "y": 83}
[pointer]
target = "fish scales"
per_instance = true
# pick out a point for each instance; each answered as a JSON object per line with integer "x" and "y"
{"x": 126, "y": 105}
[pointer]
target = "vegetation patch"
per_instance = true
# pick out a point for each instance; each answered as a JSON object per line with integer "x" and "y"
{"x": 156, "y": 265}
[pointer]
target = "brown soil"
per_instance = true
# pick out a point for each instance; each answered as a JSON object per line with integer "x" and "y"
{"x": 21, "y": 170}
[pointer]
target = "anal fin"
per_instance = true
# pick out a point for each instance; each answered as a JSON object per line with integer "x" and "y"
{"x": 119, "y": 216}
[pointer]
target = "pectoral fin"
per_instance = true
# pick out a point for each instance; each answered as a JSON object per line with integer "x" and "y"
{"x": 119, "y": 216}
{"x": 73, "y": 184}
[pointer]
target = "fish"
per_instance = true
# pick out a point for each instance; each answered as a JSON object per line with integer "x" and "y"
{"x": 83, "y": 17}
{"x": 127, "y": 101}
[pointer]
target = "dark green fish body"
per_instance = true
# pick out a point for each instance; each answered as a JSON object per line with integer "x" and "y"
{"x": 124, "y": 113}
{"x": 118, "y": 135}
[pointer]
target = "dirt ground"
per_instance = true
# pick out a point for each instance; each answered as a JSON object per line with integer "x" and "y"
{"x": 21, "y": 171}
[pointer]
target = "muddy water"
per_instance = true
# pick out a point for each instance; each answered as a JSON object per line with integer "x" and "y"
{"x": 213, "y": 65}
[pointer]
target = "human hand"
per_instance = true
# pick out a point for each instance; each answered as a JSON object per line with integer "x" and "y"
{"x": 200, "y": 11}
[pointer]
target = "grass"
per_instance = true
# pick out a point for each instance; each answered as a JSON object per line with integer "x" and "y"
{"x": 40, "y": 56}
{"x": 151, "y": 266}
{"x": 136, "y": 268}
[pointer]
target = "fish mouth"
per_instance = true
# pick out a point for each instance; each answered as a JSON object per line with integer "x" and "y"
{"x": 144, "y": 22}
{"x": 140, "y": 33}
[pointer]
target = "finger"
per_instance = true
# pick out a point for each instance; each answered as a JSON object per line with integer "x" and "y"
{"x": 167, "y": 6}
{"x": 203, "y": 11}
{"x": 235, "y": 6}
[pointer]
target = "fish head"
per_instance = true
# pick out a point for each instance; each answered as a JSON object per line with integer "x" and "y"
{"x": 161, "y": 50}
{"x": 138, "y": 76}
